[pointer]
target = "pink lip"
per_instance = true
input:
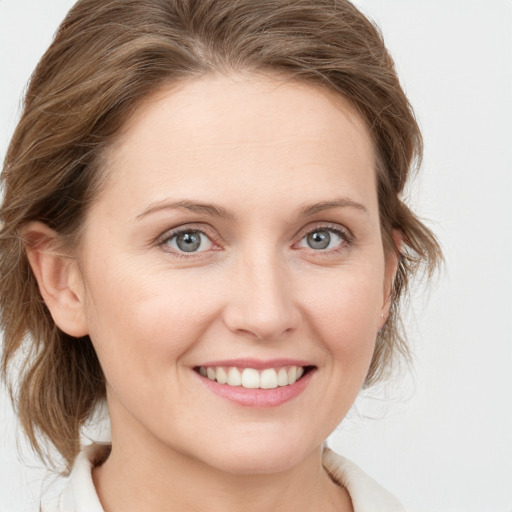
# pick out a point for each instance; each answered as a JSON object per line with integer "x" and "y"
{"x": 257, "y": 364}
{"x": 263, "y": 398}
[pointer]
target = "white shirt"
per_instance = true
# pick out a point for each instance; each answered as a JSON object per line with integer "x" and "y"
{"x": 367, "y": 495}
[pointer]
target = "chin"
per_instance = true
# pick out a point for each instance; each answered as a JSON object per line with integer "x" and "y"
{"x": 264, "y": 457}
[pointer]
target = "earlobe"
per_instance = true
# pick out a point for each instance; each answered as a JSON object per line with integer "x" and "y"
{"x": 58, "y": 278}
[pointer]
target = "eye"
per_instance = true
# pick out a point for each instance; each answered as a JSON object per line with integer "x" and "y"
{"x": 323, "y": 239}
{"x": 191, "y": 240}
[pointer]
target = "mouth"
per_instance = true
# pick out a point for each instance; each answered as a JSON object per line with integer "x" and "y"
{"x": 254, "y": 378}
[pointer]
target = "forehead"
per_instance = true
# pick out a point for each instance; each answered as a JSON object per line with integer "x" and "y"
{"x": 242, "y": 133}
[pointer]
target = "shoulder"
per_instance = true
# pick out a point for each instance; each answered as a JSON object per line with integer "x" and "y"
{"x": 366, "y": 494}
{"x": 79, "y": 494}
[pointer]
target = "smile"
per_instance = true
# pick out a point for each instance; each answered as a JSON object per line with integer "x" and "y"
{"x": 251, "y": 378}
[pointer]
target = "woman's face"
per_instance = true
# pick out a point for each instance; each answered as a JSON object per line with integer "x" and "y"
{"x": 238, "y": 237}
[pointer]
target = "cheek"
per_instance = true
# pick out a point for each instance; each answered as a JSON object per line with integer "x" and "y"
{"x": 345, "y": 311}
{"x": 143, "y": 320}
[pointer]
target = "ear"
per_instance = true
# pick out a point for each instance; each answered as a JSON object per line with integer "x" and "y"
{"x": 58, "y": 278}
{"x": 392, "y": 262}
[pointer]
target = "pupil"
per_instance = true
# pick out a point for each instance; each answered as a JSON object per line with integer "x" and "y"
{"x": 319, "y": 240}
{"x": 188, "y": 242}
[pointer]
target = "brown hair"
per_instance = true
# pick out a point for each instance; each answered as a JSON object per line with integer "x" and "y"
{"x": 106, "y": 57}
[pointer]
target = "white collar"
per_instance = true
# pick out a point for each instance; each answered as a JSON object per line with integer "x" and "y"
{"x": 366, "y": 494}
{"x": 80, "y": 495}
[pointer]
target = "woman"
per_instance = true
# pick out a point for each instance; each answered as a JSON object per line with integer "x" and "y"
{"x": 202, "y": 224}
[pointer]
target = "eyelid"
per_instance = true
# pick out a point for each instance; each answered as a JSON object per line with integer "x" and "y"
{"x": 339, "y": 229}
{"x": 185, "y": 228}
{"x": 315, "y": 226}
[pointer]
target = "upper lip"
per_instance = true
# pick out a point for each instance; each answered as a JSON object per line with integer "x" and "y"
{"x": 257, "y": 364}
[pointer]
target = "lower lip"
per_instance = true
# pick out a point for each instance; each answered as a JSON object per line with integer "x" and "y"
{"x": 258, "y": 397}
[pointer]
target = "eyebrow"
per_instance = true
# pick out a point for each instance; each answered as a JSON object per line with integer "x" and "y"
{"x": 342, "y": 202}
{"x": 208, "y": 209}
{"x": 218, "y": 211}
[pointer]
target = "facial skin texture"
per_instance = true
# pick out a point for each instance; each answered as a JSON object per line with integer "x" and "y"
{"x": 262, "y": 149}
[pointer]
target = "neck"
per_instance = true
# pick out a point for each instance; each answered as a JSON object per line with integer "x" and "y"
{"x": 138, "y": 476}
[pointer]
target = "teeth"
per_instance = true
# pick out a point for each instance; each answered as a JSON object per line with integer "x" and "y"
{"x": 282, "y": 377}
{"x": 268, "y": 379}
{"x": 222, "y": 376}
{"x": 250, "y": 378}
{"x": 234, "y": 377}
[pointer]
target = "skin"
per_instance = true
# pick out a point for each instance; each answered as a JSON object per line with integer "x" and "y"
{"x": 262, "y": 149}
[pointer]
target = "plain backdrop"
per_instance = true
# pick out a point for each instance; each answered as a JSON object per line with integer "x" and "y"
{"x": 440, "y": 437}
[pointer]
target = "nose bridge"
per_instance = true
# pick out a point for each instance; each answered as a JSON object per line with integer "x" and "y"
{"x": 262, "y": 303}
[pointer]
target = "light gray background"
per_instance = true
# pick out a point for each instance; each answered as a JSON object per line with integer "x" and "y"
{"x": 441, "y": 437}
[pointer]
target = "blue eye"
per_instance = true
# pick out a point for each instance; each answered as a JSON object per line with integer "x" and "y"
{"x": 322, "y": 239}
{"x": 189, "y": 241}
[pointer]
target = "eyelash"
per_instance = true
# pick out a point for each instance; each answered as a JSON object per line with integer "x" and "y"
{"x": 344, "y": 234}
{"x": 347, "y": 239}
{"x": 170, "y": 235}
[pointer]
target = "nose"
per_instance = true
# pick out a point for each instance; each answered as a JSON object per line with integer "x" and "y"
{"x": 262, "y": 303}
